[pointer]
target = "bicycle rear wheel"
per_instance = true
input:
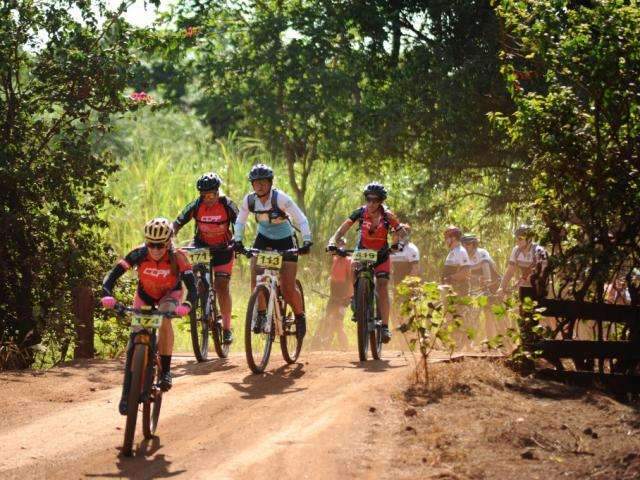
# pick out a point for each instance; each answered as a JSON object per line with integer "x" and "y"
{"x": 199, "y": 321}
{"x": 257, "y": 345}
{"x": 151, "y": 408}
{"x": 215, "y": 322}
{"x": 363, "y": 288}
{"x": 138, "y": 366}
{"x": 289, "y": 343}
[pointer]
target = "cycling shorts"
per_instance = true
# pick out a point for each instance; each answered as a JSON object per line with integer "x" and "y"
{"x": 174, "y": 298}
{"x": 265, "y": 243}
{"x": 222, "y": 263}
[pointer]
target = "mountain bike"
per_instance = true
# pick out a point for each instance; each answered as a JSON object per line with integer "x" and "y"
{"x": 365, "y": 300}
{"x": 280, "y": 317}
{"x": 144, "y": 364}
{"x": 204, "y": 316}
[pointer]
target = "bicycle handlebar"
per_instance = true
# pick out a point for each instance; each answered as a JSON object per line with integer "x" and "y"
{"x": 251, "y": 252}
{"x": 124, "y": 310}
{"x": 228, "y": 248}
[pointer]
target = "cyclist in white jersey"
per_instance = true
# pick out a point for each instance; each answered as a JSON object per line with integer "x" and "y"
{"x": 484, "y": 278}
{"x": 527, "y": 258}
{"x": 273, "y": 211}
{"x": 457, "y": 264}
{"x": 405, "y": 262}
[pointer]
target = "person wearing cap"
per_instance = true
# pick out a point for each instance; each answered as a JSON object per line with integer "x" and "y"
{"x": 457, "y": 264}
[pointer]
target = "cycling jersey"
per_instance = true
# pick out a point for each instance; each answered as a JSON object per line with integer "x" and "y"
{"x": 374, "y": 236}
{"x": 480, "y": 263}
{"x": 403, "y": 262}
{"x": 409, "y": 254}
{"x": 269, "y": 226}
{"x": 341, "y": 269}
{"x": 457, "y": 259}
{"x": 212, "y": 221}
{"x": 527, "y": 261}
{"x": 156, "y": 278}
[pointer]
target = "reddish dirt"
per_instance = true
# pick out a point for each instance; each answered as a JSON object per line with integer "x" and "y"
{"x": 327, "y": 417}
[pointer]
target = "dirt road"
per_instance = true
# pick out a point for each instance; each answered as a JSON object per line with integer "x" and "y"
{"x": 302, "y": 421}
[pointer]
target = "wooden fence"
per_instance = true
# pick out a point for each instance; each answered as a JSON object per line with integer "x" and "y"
{"x": 612, "y": 364}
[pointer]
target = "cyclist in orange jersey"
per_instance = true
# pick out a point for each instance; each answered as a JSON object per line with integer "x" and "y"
{"x": 376, "y": 222}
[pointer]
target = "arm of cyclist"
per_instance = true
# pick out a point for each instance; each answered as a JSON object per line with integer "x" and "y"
{"x": 341, "y": 232}
{"x": 110, "y": 279}
{"x": 185, "y": 217}
{"x": 287, "y": 205}
{"x": 461, "y": 275}
{"x": 506, "y": 279}
{"x": 241, "y": 222}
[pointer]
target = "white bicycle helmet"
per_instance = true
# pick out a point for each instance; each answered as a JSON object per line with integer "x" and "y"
{"x": 158, "y": 230}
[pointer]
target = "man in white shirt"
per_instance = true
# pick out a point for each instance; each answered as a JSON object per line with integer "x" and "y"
{"x": 405, "y": 262}
{"x": 457, "y": 263}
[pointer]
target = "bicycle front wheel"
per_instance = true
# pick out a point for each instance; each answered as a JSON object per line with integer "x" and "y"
{"x": 375, "y": 335}
{"x": 199, "y": 322}
{"x": 151, "y": 408}
{"x": 363, "y": 288}
{"x": 257, "y": 344}
{"x": 289, "y": 343}
{"x": 138, "y": 366}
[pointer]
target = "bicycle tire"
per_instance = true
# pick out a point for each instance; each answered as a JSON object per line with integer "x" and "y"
{"x": 252, "y": 311}
{"x": 222, "y": 349}
{"x": 362, "y": 299}
{"x": 375, "y": 336}
{"x": 138, "y": 366}
{"x": 199, "y": 323}
{"x": 289, "y": 342}
{"x": 151, "y": 408}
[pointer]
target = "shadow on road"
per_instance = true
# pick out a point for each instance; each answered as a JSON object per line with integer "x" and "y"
{"x": 276, "y": 382}
{"x": 203, "y": 368}
{"x": 143, "y": 464}
{"x": 370, "y": 365}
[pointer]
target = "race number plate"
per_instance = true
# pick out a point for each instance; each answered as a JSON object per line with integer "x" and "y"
{"x": 365, "y": 256}
{"x": 146, "y": 321}
{"x": 199, "y": 255}
{"x": 270, "y": 260}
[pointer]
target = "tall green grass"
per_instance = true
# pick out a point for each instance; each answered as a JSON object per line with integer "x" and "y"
{"x": 162, "y": 154}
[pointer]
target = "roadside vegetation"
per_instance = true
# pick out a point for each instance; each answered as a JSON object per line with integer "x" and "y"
{"x": 477, "y": 113}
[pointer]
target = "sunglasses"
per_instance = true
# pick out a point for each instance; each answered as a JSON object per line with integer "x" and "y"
{"x": 373, "y": 199}
{"x": 156, "y": 245}
{"x": 210, "y": 193}
{"x": 521, "y": 238}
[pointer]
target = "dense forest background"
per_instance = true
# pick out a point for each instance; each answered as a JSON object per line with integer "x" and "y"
{"x": 479, "y": 113}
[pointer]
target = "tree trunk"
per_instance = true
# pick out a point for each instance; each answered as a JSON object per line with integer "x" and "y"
{"x": 83, "y": 308}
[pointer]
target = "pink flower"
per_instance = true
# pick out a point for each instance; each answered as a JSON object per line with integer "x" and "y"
{"x": 191, "y": 32}
{"x": 141, "y": 97}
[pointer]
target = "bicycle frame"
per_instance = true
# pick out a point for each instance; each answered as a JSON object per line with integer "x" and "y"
{"x": 270, "y": 279}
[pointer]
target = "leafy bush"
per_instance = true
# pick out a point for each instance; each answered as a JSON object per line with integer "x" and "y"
{"x": 63, "y": 72}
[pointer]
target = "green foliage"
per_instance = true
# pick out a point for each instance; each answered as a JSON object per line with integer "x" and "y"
{"x": 574, "y": 72}
{"x": 433, "y": 313}
{"x": 63, "y": 72}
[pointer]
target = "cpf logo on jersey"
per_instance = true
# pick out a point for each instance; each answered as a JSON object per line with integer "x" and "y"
{"x": 156, "y": 272}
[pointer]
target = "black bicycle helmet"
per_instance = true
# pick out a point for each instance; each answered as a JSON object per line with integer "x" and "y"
{"x": 260, "y": 172}
{"x": 469, "y": 238}
{"x": 209, "y": 181}
{"x": 377, "y": 189}
{"x": 524, "y": 231}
